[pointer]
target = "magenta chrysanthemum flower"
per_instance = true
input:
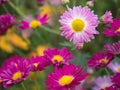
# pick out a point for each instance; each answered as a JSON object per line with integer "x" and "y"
{"x": 41, "y": 20}
{"x": 100, "y": 60}
{"x": 15, "y": 72}
{"x": 107, "y": 17}
{"x": 78, "y": 24}
{"x": 114, "y": 29}
{"x": 101, "y": 83}
{"x": 3, "y": 1}
{"x": 116, "y": 80}
{"x": 111, "y": 88}
{"x": 58, "y": 57}
{"x": 38, "y": 63}
{"x": 40, "y": 1}
{"x": 65, "y": 78}
{"x": 113, "y": 48}
{"x": 6, "y": 20}
{"x": 115, "y": 67}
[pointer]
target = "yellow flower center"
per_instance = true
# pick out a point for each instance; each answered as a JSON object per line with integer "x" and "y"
{"x": 35, "y": 64}
{"x": 34, "y": 24}
{"x": 1, "y": 80}
{"x": 119, "y": 69}
{"x": 103, "y": 61}
{"x": 57, "y": 58}
{"x": 104, "y": 88}
{"x": 118, "y": 30}
{"x": 78, "y": 25}
{"x": 65, "y": 80}
{"x": 17, "y": 75}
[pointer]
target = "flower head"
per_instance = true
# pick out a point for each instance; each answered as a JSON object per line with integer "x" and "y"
{"x": 113, "y": 48}
{"x": 78, "y": 24}
{"x": 58, "y": 57}
{"x": 114, "y": 29}
{"x": 116, "y": 80}
{"x": 101, "y": 83}
{"x": 15, "y": 70}
{"x": 6, "y": 20}
{"x": 38, "y": 63}
{"x": 100, "y": 60}
{"x": 107, "y": 17}
{"x": 115, "y": 67}
{"x": 66, "y": 77}
{"x": 41, "y": 20}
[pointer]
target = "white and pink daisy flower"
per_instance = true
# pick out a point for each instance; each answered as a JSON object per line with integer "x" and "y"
{"x": 79, "y": 24}
{"x": 115, "y": 67}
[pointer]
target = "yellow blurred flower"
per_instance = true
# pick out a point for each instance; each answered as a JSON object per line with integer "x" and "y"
{"x": 5, "y": 45}
{"x": 38, "y": 51}
{"x": 17, "y": 41}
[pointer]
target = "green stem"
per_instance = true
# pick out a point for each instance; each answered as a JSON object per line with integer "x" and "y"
{"x": 16, "y": 9}
{"x": 18, "y": 52}
{"x": 50, "y": 30}
{"x": 35, "y": 80}
{"x": 23, "y": 86}
{"x": 107, "y": 71}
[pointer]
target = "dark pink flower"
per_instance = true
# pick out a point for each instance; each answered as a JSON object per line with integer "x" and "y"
{"x": 3, "y": 1}
{"x": 15, "y": 70}
{"x": 57, "y": 57}
{"x": 116, "y": 80}
{"x": 113, "y": 48}
{"x": 100, "y": 60}
{"x": 6, "y": 21}
{"x": 66, "y": 77}
{"x": 38, "y": 63}
{"x": 40, "y": 20}
{"x": 114, "y": 29}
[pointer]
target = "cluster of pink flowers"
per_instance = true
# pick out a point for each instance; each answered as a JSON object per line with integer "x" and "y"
{"x": 16, "y": 69}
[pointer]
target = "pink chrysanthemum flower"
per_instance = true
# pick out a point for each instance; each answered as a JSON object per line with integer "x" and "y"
{"x": 41, "y": 20}
{"x": 114, "y": 29}
{"x": 38, "y": 63}
{"x": 100, "y": 60}
{"x": 78, "y": 24}
{"x": 58, "y": 57}
{"x": 113, "y": 48}
{"x": 115, "y": 67}
{"x": 111, "y": 88}
{"x": 101, "y": 83}
{"x": 116, "y": 80}
{"x": 6, "y": 21}
{"x": 107, "y": 17}
{"x": 15, "y": 72}
{"x": 65, "y": 78}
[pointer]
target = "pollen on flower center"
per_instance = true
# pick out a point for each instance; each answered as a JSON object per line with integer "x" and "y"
{"x": 57, "y": 58}
{"x": 118, "y": 30}
{"x": 78, "y": 25}
{"x": 65, "y": 80}
{"x": 35, "y": 23}
{"x": 1, "y": 80}
{"x": 35, "y": 64}
{"x": 17, "y": 75}
{"x": 118, "y": 69}
{"x": 103, "y": 61}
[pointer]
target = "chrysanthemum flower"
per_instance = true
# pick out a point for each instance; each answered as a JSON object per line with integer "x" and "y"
{"x": 58, "y": 57}
{"x": 107, "y": 17}
{"x": 65, "y": 78}
{"x": 41, "y": 20}
{"x": 114, "y": 29}
{"x": 78, "y": 24}
{"x": 38, "y": 63}
{"x": 100, "y": 60}
{"x": 15, "y": 70}
{"x": 115, "y": 67}
{"x": 113, "y": 48}
{"x": 102, "y": 83}
{"x": 116, "y": 80}
{"x": 111, "y": 88}
{"x": 6, "y": 21}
